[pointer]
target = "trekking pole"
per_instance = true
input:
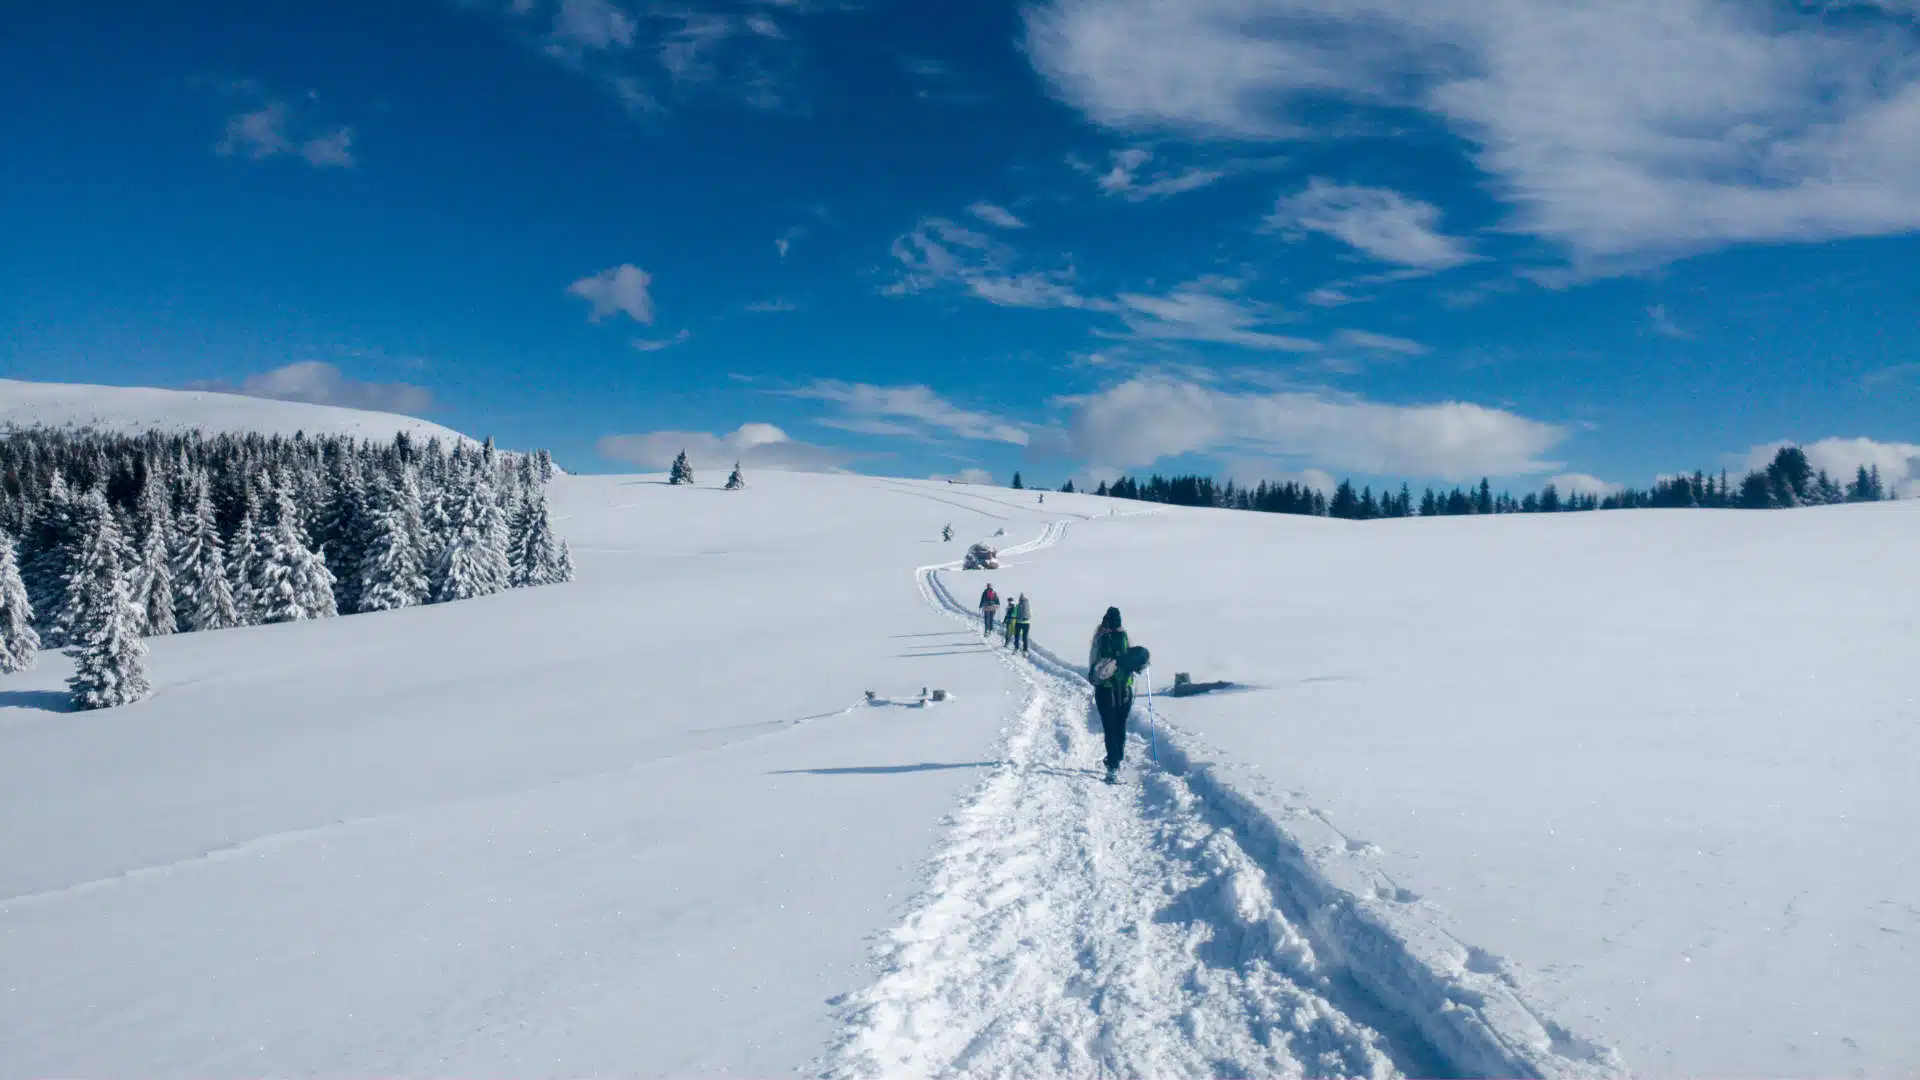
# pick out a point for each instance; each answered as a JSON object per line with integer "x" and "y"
{"x": 1153, "y": 740}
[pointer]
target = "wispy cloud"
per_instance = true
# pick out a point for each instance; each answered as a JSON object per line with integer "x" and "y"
{"x": 1207, "y": 310}
{"x": 274, "y": 129}
{"x": 1661, "y": 323}
{"x": 774, "y": 306}
{"x": 785, "y": 241}
{"x": 997, "y": 216}
{"x": 753, "y": 446}
{"x": 657, "y": 344}
{"x": 881, "y": 410}
{"x": 1148, "y": 418}
{"x": 942, "y": 252}
{"x": 323, "y": 384}
{"x": 1372, "y": 342}
{"x": 1127, "y": 176}
{"x": 1384, "y": 224}
{"x": 1628, "y": 133}
{"x": 1892, "y": 376}
{"x": 617, "y": 290}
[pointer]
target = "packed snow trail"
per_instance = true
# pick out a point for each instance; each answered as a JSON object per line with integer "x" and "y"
{"x": 1072, "y": 928}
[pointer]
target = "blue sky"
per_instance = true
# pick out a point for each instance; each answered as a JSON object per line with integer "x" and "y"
{"x": 1421, "y": 239}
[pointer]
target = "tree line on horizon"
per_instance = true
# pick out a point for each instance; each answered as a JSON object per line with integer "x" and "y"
{"x": 108, "y": 538}
{"x": 1788, "y": 480}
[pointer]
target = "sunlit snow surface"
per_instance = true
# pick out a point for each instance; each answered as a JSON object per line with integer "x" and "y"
{"x": 1566, "y": 794}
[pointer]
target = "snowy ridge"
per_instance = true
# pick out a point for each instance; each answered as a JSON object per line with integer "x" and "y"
{"x": 139, "y": 409}
{"x": 1175, "y": 927}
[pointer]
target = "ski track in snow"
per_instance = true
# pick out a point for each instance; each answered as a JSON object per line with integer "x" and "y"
{"x": 1072, "y": 928}
{"x": 1075, "y": 928}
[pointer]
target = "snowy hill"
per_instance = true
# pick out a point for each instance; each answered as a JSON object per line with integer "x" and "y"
{"x": 135, "y": 409}
{"x": 1570, "y": 795}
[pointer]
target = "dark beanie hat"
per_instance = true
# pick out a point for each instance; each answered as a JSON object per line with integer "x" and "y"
{"x": 1112, "y": 617}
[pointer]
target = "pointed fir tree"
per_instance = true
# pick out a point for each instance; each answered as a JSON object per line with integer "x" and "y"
{"x": 152, "y": 581}
{"x": 109, "y": 660}
{"x": 472, "y": 558}
{"x": 51, "y": 543}
{"x": 536, "y": 557}
{"x": 543, "y": 465}
{"x": 342, "y": 535}
{"x": 393, "y": 570}
{"x": 244, "y": 567}
{"x": 19, "y": 641}
{"x": 202, "y": 593}
{"x": 290, "y": 580}
{"x": 682, "y": 470}
{"x": 736, "y": 481}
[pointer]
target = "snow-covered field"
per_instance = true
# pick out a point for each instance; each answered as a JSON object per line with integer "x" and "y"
{"x": 138, "y": 409}
{"x": 1574, "y": 795}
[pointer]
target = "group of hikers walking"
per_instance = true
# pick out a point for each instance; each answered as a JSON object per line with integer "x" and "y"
{"x": 1112, "y": 662}
{"x": 1019, "y": 621}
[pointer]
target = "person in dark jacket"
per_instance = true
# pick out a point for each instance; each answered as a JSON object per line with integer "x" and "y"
{"x": 1022, "y": 616}
{"x": 1112, "y": 686}
{"x": 989, "y": 607}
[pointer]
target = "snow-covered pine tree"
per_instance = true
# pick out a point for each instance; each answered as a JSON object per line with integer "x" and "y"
{"x": 682, "y": 470}
{"x": 291, "y": 580}
{"x": 543, "y": 463}
{"x": 564, "y": 563}
{"x": 109, "y": 659}
{"x": 735, "y": 482}
{"x": 202, "y": 594}
{"x": 343, "y": 531}
{"x": 50, "y": 545}
{"x": 393, "y": 570}
{"x": 19, "y": 642}
{"x": 151, "y": 580}
{"x": 244, "y": 567}
{"x": 472, "y": 558}
{"x": 537, "y": 559}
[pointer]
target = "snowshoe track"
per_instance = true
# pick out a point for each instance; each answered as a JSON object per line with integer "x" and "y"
{"x": 1071, "y": 928}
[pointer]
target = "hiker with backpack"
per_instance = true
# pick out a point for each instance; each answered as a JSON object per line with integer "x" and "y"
{"x": 1111, "y": 665}
{"x": 989, "y": 607}
{"x": 1021, "y": 615}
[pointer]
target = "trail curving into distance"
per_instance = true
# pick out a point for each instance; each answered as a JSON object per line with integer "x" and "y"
{"x": 1070, "y": 927}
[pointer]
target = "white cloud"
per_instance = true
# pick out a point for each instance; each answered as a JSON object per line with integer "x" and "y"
{"x": 877, "y": 410}
{"x": 1328, "y": 296}
{"x": 942, "y": 252}
{"x": 1206, "y": 310}
{"x": 656, "y": 344}
{"x": 1366, "y": 339}
{"x": 619, "y": 289}
{"x": 1629, "y": 132}
{"x": 264, "y": 132}
{"x": 592, "y": 24}
{"x": 966, "y": 476}
{"x": 323, "y": 384}
{"x": 939, "y": 252}
{"x": 1124, "y": 177}
{"x": 997, "y": 216}
{"x": 1385, "y": 224}
{"x": 754, "y": 446}
{"x": 333, "y": 150}
{"x": 785, "y": 241}
{"x": 1148, "y": 418}
{"x": 1661, "y": 323}
{"x": 1582, "y": 484}
{"x": 776, "y": 305}
{"x": 1899, "y": 463}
